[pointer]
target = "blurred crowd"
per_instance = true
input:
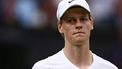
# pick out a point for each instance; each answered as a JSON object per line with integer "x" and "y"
{"x": 28, "y": 31}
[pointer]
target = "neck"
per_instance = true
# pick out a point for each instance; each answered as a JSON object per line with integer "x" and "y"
{"x": 79, "y": 55}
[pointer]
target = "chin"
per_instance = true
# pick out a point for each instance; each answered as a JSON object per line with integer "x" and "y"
{"x": 79, "y": 40}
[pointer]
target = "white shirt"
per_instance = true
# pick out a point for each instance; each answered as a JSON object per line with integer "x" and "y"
{"x": 60, "y": 61}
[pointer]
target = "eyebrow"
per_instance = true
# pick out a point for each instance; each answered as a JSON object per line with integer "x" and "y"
{"x": 83, "y": 16}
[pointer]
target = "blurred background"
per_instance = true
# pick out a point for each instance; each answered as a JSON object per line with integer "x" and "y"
{"x": 28, "y": 31}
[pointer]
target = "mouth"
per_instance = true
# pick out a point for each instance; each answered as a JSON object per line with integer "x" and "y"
{"x": 80, "y": 33}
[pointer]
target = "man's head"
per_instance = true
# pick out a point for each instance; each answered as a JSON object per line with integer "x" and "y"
{"x": 75, "y": 22}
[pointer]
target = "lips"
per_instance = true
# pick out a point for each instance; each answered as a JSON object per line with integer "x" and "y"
{"x": 78, "y": 33}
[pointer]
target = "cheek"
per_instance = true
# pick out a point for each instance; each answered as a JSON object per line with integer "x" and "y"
{"x": 67, "y": 30}
{"x": 89, "y": 26}
{"x": 87, "y": 29}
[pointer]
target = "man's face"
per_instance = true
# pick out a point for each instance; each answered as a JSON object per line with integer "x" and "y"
{"x": 75, "y": 26}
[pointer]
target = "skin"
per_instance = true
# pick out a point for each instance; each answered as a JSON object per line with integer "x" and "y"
{"x": 75, "y": 26}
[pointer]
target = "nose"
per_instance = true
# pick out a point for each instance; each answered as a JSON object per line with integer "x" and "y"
{"x": 78, "y": 24}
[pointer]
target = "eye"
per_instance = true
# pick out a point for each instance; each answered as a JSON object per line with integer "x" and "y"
{"x": 70, "y": 20}
{"x": 84, "y": 19}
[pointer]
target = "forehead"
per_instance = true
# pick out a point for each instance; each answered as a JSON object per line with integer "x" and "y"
{"x": 76, "y": 9}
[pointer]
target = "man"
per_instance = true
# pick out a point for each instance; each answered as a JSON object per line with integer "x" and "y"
{"x": 75, "y": 24}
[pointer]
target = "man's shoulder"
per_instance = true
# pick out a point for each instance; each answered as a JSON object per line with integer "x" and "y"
{"x": 103, "y": 62}
{"x": 49, "y": 62}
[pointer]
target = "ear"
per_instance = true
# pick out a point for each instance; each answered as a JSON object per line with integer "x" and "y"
{"x": 59, "y": 24}
{"x": 92, "y": 24}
